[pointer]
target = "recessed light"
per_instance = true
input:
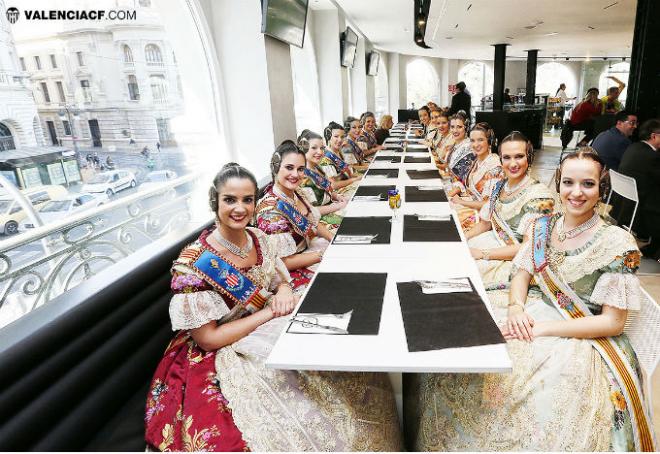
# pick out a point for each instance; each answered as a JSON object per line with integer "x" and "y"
{"x": 551, "y": 34}
{"x": 509, "y": 37}
{"x": 590, "y": 27}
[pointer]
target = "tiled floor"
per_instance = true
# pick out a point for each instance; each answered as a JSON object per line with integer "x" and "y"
{"x": 543, "y": 168}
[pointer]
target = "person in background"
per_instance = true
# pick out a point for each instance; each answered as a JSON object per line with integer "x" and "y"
{"x": 611, "y": 103}
{"x": 352, "y": 151}
{"x": 443, "y": 142}
{"x": 642, "y": 162}
{"x": 367, "y": 139}
{"x": 582, "y": 119}
{"x": 612, "y": 144}
{"x": 507, "y": 96}
{"x": 563, "y": 99}
{"x": 461, "y": 100}
{"x": 425, "y": 119}
{"x": 334, "y": 164}
{"x": 383, "y": 132}
{"x": 461, "y": 156}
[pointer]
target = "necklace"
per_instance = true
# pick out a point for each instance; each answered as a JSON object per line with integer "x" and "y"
{"x": 511, "y": 189}
{"x": 563, "y": 235}
{"x": 233, "y": 248}
{"x": 282, "y": 195}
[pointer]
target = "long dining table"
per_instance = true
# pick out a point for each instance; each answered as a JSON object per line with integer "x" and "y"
{"x": 449, "y": 336}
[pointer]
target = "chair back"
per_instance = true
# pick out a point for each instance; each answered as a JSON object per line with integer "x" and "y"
{"x": 624, "y": 185}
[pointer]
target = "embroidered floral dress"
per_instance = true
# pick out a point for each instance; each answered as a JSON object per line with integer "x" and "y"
{"x": 481, "y": 180}
{"x": 561, "y": 395}
{"x": 510, "y": 216}
{"x": 368, "y": 138}
{"x": 288, "y": 239}
{"x": 321, "y": 197}
{"x": 226, "y": 400}
{"x": 460, "y": 160}
{"x": 353, "y": 153}
{"x": 331, "y": 170}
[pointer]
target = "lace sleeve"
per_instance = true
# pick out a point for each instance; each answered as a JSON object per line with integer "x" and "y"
{"x": 523, "y": 259}
{"x": 484, "y": 212}
{"x": 532, "y": 210}
{"x": 620, "y": 290}
{"x": 192, "y": 310}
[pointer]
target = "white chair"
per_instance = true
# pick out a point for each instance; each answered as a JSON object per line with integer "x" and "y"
{"x": 625, "y": 187}
{"x": 643, "y": 331}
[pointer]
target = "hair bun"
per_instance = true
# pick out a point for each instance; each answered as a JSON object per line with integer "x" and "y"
{"x": 230, "y": 165}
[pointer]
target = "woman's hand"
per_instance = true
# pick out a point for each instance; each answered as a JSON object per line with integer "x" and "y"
{"x": 317, "y": 256}
{"x": 457, "y": 199}
{"x": 283, "y": 302}
{"x": 519, "y": 325}
{"x": 476, "y": 253}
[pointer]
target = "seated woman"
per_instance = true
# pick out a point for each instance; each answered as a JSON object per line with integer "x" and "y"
{"x": 514, "y": 203}
{"x": 484, "y": 174}
{"x": 460, "y": 157}
{"x": 285, "y": 212}
{"x": 211, "y": 391}
{"x": 383, "y": 131}
{"x": 352, "y": 150}
{"x": 333, "y": 163}
{"x": 316, "y": 186}
{"x": 439, "y": 139}
{"x": 367, "y": 137}
{"x": 575, "y": 384}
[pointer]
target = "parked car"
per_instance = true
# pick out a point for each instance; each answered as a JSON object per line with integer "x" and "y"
{"x": 158, "y": 178}
{"x": 110, "y": 182}
{"x": 11, "y": 213}
{"x": 61, "y": 208}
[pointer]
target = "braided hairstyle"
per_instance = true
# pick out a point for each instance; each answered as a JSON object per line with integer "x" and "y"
{"x": 517, "y": 136}
{"x": 229, "y": 170}
{"x": 590, "y": 154}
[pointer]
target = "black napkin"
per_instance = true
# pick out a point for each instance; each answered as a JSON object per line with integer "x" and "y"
{"x": 338, "y": 293}
{"x": 445, "y": 320}
{"x": 416, "y": 230}
{"x": 423, "y": 174}
{"x": 369, "y": 225}
{"x": 391, "y": 173}
{"x": 392, "y": 159}
{"x": 419, "y": 195}
{"x": 374, "y": 190}
{"x": 417, "y": 160}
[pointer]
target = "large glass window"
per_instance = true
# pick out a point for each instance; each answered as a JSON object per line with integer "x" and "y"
{"x": 423, "y": 83}
{"x": 478, "y": 78}
{"x": 307, "y": 104}
{"x": 549, "y": 76}
{"x": 382, "y": 92}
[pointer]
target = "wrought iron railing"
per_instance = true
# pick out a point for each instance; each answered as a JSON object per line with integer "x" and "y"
{"x": 38, "y": 265}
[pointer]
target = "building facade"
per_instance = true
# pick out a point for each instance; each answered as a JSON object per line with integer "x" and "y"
{"x": 103, "y": 83}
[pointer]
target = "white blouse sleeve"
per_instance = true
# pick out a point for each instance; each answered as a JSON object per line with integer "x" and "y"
{"x": 192, "y": 310}
{"x": 620, "y": 290}
{"x": 523, "y": 259}
{"x": 484, "y": 212}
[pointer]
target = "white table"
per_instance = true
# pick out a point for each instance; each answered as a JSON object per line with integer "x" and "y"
{"x": 387, "y": 351}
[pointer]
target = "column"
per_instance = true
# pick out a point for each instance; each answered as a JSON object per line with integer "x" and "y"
{"x": 499, "y": 69}
{"x": 530, "y": 86}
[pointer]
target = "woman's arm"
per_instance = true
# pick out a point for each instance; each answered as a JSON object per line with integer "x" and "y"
{"x": 212, "y": 336}
{"x": 339, "y": 184}
{"x": 519, "y": 324}
{"x": 302, "y": 260}
{"x": 323, "y": 232}
{"x": 478, "y": 229}
{"x": 330, "y": 208}
{"x": 500, "y": 253}
{"x": 610, "y": 322}
{"x": 474, "y": 204}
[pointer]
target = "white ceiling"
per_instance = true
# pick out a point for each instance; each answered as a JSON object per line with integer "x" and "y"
{"x": 389, "y": 25}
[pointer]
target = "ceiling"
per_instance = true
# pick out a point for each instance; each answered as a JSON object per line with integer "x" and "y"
{"x": 466, "y": 29}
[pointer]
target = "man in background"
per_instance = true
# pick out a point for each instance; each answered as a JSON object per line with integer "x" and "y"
{"x": 611, "y": 103}
{"x": 612, "y": 144}
{"x": 461, "y": 100}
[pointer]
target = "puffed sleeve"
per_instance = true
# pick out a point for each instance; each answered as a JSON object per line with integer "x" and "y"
{"x": 275, "y": 225}
{"x": 523, "y": 259}
{"x": 618, "y": 286}
{"x": 533, "y": 209}
{"x": 485, "y": 212}
{"x": 192, "y": 305}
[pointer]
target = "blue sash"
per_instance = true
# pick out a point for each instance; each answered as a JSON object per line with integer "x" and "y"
{"x": 298, "y": 221}
{"x": 337, "y": 161}
{"x": 496, "y": 193}
{"x": 541, "y": 232}
{"x": 357, "y": 151}
{"x": 319, "y": 180}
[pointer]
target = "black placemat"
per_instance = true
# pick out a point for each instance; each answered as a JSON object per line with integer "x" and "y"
{"x": 390, "y": 173}
{"x": 392, "y": 159}
{"x": 368, "y": 225}
{"x": 417, "y": 160}
{"x": 445, "y": 320}
{"x": 425, "y": 195}
{"x": 374, "y": 190}
{"x": 423, "y": 174}
{"x": 416, "y": 230}
{"x": 338, "y": 293}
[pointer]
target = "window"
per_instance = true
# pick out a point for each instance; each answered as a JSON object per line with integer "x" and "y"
{"x": 87, "y": 92}
{"x": 44, "y": 90}
{"x": 423, "y": 83}
{"x": 6, "y": 139}
{"x": 153, "y": 55}
{"x": 128, "y": 54}
{"x": 53, "y": 61}
{"x": 133, "y": 88}
{"x": 158, "y": 89}
{"x": 550, "y": 75}
{"x": 381, "y": 89}
{"x": 22, "y": 60}
{"x": 67, "y": 127}
{"x": 619, "y": 70}
{"x": 306, "y": 95}
{"x": 39, "y": 197}
{"x": 37, "y": 62}
{"x": 79, "y": 56}
{"x": 478, "y": 80}
{"x": 60, "y": 91}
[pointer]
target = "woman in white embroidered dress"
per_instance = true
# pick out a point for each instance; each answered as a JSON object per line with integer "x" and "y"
{"x": 562, "y": 395}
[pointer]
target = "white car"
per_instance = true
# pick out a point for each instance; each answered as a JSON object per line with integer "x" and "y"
{"x": 110, "y": 182}
{"x": 62, "y": 208}
{"x": 158, "y": 178}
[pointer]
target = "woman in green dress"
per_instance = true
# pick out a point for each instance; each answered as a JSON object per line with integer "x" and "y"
{"x": 575, "y": 384}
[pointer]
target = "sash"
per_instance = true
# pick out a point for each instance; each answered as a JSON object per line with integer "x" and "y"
{"x": 504, "y": 234}
{"x": 357, "y": 151}
{"x": 337, "y": 161}
{"x": 571, "y": 306}
{"x": 226, "y": 278}
{"x": 299, "y": 222}
{"x": 319, "y": 180}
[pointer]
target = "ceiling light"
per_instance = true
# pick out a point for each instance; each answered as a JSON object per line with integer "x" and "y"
{"x": 592, "y": 28}
{"x": 551, "y": 34}
{"x": 567, "y": 58}
{"x": 623, "y": 59}
{"x": 609, "y": 6}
